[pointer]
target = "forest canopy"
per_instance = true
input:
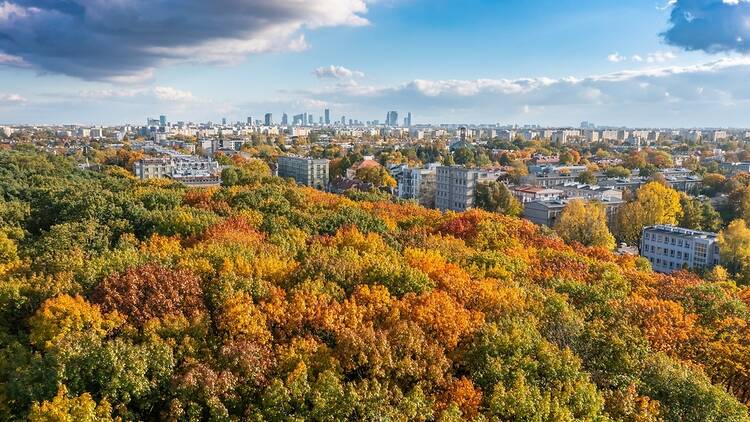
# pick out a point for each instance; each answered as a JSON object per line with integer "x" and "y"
{"x": 146, "y": 300}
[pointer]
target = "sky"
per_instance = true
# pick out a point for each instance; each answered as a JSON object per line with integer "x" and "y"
{"x": 639, "y": 63}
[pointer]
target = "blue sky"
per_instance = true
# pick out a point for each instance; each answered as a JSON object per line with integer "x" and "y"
{"x": 637, "y": 63}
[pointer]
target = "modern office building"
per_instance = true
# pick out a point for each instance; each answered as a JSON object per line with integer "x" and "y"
{"x": 391, "y": 119}
{"x": 249, "y": 121}
{"x": 327, "y": 116}
{"x": 671, "y": 248}
{"x": 456, "y": 186}
{"x": 162, "y": 120}
{"x": 284, "y": 119}
{"x": 269, "y": 119}
{"x": 304, "y": 170}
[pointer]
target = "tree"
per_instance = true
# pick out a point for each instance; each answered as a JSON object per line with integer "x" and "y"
{"x": 587, "y": 177}
{"x": 464, "y": 156}
{"x": 245, "y": 172}
{"x": 617, "y": 171}
{"x": 586, "y": 223}
{"x": 494, "y": 196}
{"x": 518, "y": 170}
{"x": 377, "y": 175}
{"x": 734, "y": 246}
{"x": 63, "y": 408}
{"x": 692, "y": 213}
{"x": 713, "y": 183}
{"x": 151, "y": 291}
{"x": 654, "y": 204}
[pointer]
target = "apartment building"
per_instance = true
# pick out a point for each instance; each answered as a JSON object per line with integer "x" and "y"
{"x": 305, "y": 171}
{"x": 546, "y": 213}
{"x": 456, "y": 186}
{"x": 671, "y": 248}
{"x": 418, "y": 184}
{"x": 527, "y": 194}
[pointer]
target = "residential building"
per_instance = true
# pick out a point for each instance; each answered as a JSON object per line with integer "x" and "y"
{"x": 153, "y": 168}
{"x": 671, "y": 248}
{"x": 305, "y": 171}
{"x": 419, "y": 184}
{"x": 590, "y": 192}
{"x": 456, "y": 186}
{"x": 527, "y": 194}
{"x": 731, "y": 169}
{"x": 546, "y": 213}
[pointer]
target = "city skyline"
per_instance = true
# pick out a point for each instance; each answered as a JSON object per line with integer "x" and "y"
{"x": 641, "y": 64}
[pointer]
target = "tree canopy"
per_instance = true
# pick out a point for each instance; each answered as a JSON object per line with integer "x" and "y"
{"x": 123, "y": 299}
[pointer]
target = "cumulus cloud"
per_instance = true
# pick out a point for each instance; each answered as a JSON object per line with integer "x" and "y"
{"x": 337, "y": 72}
{"x": 125, "y": 40}
{"x": 616, "y": 58}
{"x": 643, "y": 96}
{"x": 168, "y": 93}
{"x": 710, "y": 25}
{"x": 656, "y": 57}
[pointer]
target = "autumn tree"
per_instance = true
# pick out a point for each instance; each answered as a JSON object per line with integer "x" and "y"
{"x": 586, "y": 223}
{"x": 587, "y": 177}
{"x": 377, "y": 175}
{"x": 494, "y": 196}
{"x": 734, "y": 245}
{"x": 150, "y": 291}
{"x": 654, "y": 204}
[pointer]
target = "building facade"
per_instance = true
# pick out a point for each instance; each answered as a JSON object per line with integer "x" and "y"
{"x": 456, "y": 186}
{"x": 671, "y": 248}
{"x": 419, "y": 184}
{"x": 305, "y": 171}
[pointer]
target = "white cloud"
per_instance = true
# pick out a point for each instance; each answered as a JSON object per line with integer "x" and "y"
{"x": 337, "y": 72}
{"x": 648, "y": 93}
{"x": 660, "y": 57}
{"x": 168, "y": 93}
{"x": 12, "y": 98}
{"x": 616, "y": 58}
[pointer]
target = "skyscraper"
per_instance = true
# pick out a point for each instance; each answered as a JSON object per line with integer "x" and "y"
{"x": 284, "y": 119}
{"x": 343, "y": 120}
{"x": 391, "y": 119}
{"x": 223, "y": 121}
{"x": 407, "y": 119}
{"x": 162, "y": 120}
{"x": 249, "y": 120}
{"x": 328, "y": 116}
{"x": 269, "y": 119}
{"x": 310, "y": 119}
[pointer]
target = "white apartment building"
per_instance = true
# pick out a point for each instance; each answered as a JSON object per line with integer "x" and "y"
{"x": 671, "y": 248}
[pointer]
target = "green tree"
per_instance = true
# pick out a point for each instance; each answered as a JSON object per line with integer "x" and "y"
{"x": 494, "y": 196}
{"x": 587, "y": 177}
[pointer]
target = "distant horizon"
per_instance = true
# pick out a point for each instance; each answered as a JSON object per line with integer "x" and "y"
{"x": 685, "y": 65}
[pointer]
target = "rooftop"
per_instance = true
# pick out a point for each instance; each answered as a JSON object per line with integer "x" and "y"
{"x": 679, "y": 231}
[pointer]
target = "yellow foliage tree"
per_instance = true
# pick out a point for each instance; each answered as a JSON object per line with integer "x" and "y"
{"x": 64, "y": 315}
{"x": 71, "y": 409}
{"x": 585, "y": 223}
{"x": 734, "y": 246}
